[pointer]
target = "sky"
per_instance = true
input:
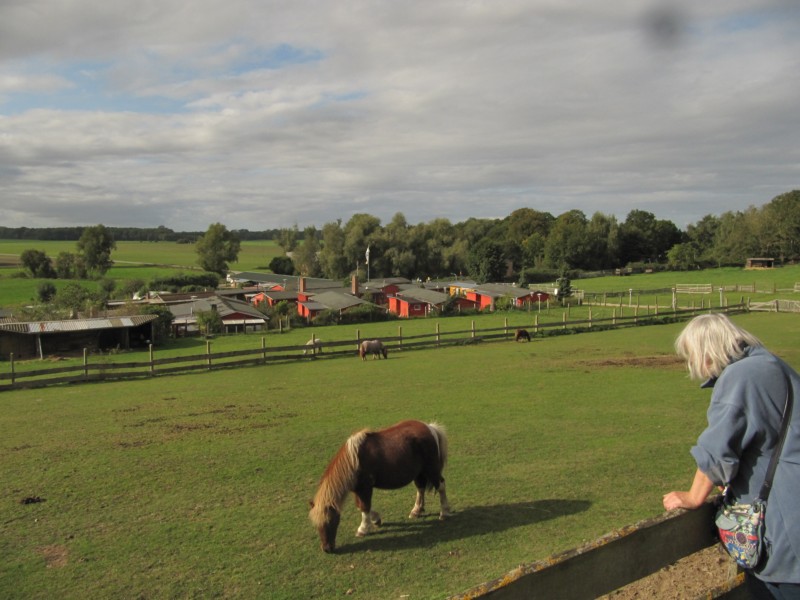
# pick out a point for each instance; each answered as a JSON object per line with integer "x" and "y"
{"x": 260, "y": 114}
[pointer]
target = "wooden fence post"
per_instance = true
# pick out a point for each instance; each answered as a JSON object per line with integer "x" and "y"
{"x": 564, "y": 320}
{"x": 536, "y": 323}
{"x": 358, "y": 340}
{"x": 400, "y": 335}
{"x": 438, "y": 336}
{"x": 264, "y": 349}
{"x": 86, "y": 363}
{"x": 152, "y": 366}
{"x": 590, "y": 317}
{"x": 208, "y": 354}
{"x": 473, "y": 329}
{"x": 505, "y": 324}
{"x": 11, "y": 360}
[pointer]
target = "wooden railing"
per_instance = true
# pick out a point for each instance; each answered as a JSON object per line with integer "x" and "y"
{"x": 104, "y": 369}
{"x": 614, "y": 561}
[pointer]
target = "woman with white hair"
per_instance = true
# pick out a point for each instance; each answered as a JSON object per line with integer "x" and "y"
{"x": 744, "y": 419}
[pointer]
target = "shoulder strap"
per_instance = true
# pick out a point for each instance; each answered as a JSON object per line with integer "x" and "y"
{"x": 773, "y": 463}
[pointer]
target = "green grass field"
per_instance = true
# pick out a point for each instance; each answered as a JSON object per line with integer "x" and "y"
{"x": 132, "y": 260}
{"x": 197, "y": 486}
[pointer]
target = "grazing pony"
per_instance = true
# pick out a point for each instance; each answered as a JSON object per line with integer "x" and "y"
{"x": 522, "y": 334}
{"x": 314, "y": 346}
{"x": 386, "y": 459}
{"x": 374, "y": 347}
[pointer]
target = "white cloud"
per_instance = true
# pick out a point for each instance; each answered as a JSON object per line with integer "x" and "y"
{"x": 265, "y": 114}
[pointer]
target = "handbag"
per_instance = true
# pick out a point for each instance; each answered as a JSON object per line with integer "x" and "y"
{"x": 741, "y": 526}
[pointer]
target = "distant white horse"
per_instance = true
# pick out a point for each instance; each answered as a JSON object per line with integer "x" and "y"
{"x": 374, "y": 347}
{"x": 314, "y": 346}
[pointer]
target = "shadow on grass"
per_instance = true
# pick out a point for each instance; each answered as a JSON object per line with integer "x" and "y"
{"x": 475, "y": 520}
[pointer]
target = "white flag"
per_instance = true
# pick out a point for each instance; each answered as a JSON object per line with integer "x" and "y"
{"x": 367, "y": 255}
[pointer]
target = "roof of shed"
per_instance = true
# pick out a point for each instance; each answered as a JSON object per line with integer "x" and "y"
{"x": 74, "y": 325}
{"x": 224, "y": 306}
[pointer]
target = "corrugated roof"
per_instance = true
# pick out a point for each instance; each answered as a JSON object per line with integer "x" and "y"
{"x": 73, "y": 325}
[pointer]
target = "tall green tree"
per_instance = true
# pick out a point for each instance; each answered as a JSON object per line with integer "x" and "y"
{"x": 567, "y": 245}
{"x": 332, "y": 259}
{"x": 216, "y": 248}
{"x": 288, "y": 238}
{"x": 94, "y": 248}
{"x": 782, "y": 223}
{"x": 38, "y": 264}
{"x": 305, "y": 256}
{"x": 486, "y": 261}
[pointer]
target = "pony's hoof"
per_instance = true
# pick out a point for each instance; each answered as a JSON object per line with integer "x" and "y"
{"x": 416, "y": 514}
{"x": 360, "y": 533}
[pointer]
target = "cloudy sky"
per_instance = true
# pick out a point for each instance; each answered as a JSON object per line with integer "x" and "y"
{"x": 261, "y": 114}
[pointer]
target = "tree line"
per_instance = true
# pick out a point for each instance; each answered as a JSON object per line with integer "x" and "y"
{"x": 526, "y": 246}
{"x": 531, "y": 245}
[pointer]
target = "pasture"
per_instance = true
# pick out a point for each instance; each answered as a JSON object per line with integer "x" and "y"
{"x": 198, "y": 485}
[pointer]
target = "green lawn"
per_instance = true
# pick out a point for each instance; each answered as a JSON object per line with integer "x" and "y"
{"x": 197, "y": 485}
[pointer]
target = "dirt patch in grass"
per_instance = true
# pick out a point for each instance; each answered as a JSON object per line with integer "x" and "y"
{"x": 666, "y": 360}
{"x": 689, "y": 578}
{"x": 55, "y": 556}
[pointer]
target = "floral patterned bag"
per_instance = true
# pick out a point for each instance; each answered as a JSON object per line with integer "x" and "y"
{"x": 741, "y": 526}
{"x": 741, "y": 531}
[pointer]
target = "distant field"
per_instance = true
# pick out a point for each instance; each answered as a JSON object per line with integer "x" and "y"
{"x": 780, "y": 278}
{"x": 132, "y": 260}
{"x": 254, "y": 254}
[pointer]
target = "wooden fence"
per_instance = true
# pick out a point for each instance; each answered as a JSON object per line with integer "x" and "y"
{"x": 104, "y": 370}
{"x": 614, "y": 561}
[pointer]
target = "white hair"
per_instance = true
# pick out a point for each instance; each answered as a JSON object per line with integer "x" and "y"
{"x": 711, "y": 342}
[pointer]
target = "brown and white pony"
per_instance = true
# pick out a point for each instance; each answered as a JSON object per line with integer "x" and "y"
{"x": 374, "y": 347}
{"x": 386, "y": 459}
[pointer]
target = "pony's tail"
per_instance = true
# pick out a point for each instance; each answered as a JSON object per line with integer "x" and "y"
{"x": 440, "y": 433}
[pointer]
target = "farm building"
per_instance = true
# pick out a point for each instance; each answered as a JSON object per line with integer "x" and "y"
{"x": 236, "y": 315}
{"x": 760, "y": 263}
{"x": 310, "y": 305}
{"x": 485, "y": 295}
{"x": 39, "y": 338}
{"x": 272, "y": 297}
{"x": 380, "y": 289}
{"x": 417, "y": 302}
{"x": 278, "y": 282}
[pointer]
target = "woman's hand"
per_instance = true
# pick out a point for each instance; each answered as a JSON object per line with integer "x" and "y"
{"x": 694, "y": 498}
{"x": 675, "y": 500}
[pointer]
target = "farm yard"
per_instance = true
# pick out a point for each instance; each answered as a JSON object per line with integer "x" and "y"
{"x": 198, "y": 485}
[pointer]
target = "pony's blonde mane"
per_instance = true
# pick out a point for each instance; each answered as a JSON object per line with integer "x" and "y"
{"x": 338, "y": 479}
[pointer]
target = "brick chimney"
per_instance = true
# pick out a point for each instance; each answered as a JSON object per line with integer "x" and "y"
{"x": 354, "y": 285}
{"x": 301, "y": 285}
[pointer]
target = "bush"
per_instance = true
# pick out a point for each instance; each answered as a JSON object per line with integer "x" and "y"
{"x": 186, "y": 282}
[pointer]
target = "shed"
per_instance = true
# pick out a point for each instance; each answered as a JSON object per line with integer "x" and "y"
{"x": 31, "y": 339}
{"x": 235, "y": 314}
{"x": 760, "y": 263}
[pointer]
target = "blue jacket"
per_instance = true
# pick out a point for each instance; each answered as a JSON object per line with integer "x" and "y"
{"x": 743, "y": 425}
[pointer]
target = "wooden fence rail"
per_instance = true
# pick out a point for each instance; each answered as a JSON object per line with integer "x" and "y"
{"x": 105, "y": 370}
{"x": 614, "y": 561}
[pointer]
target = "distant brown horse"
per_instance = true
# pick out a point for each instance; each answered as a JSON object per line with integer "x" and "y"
{"x": 386, "y": 459}
{"x": 374, "y": 347}
{"x": 522, "y": 334}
